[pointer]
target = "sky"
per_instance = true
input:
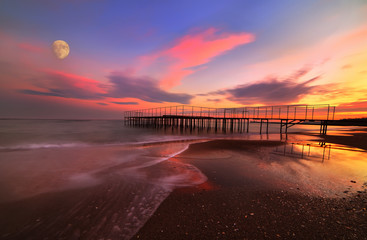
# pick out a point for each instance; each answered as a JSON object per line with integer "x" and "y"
{"x": 128, "y": 55}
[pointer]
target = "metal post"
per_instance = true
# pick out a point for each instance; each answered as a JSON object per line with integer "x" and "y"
{"x": 306, "y": 112}
{"x": 261, "y": 125}
{"x": 295, "y": 112}
{"x": 321, "y": 124}
{"x": 272, "y": 108}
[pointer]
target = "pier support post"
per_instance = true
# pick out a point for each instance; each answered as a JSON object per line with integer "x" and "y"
{"x": 261, "y": 125}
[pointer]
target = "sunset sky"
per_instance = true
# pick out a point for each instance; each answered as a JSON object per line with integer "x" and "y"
{"x": 140, "y": 54}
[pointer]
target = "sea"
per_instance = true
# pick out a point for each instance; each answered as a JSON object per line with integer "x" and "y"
{"x": 40, "y": 157}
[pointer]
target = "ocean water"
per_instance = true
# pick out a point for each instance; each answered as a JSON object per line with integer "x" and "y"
{"x": 127, "y": 168}
{"x": 72, "y": 152}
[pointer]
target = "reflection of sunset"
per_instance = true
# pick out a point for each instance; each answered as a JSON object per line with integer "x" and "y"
{"x": 312, "y": 168}
{"x": 323, "y": 170}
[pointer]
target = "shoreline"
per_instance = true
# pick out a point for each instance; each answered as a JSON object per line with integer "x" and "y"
{"x": 356, "y": 138}
{"x": 225, "y": 207}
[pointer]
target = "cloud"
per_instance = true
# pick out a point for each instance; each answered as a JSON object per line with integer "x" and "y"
{"x": 346, "y": 66}
{"x": 192, "y": 51}
{"x": 272, "y": 90}
{"x": 102, "y": 103}
{"x": 30, "y": 47}
{"x": 360, "y": 106}
{"x": 214, "y": 100}
{"x": 143, "y": 88}
{"x": 60, "y": 84}
{"x": 126, "y": 103}
{"x": 32, "y": 92}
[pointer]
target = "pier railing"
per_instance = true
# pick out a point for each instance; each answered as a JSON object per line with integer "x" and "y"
{"x": 299, "y": 112}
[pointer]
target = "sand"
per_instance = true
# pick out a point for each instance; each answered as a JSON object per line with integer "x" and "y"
{"x": 229, "y": 206}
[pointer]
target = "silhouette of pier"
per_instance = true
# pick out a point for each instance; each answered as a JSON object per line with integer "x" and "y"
{"x": 232, "y": 119}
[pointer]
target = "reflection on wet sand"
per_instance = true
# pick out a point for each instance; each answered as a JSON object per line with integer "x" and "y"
{"x": 260, "y": 188}
{"x": 305, "y": 150}
{"x": 313, "y": 169}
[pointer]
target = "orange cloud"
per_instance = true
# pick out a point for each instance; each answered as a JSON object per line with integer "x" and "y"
{"x": 194, "y": 50}
{"x": 354, "y": 106}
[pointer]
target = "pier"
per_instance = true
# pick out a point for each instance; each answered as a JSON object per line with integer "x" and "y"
{"x": 232, "y": 119}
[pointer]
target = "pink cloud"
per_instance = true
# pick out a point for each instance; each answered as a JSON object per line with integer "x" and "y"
{"x": 30, "y": 47}
{"x": 76, "y": 81}
{"x": 193, "y": 50}
{"x": 53, "y": 83}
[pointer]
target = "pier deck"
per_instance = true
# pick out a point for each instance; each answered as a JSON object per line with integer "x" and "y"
{"x": 232, "y": 119}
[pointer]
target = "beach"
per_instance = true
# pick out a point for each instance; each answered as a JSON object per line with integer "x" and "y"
{"x": 88, "y": 181}
{"x": 230, "y": 207}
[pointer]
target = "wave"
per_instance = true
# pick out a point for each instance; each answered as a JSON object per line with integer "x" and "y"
{"x": 31, "y": 146}
{"x": 43, "y": 145}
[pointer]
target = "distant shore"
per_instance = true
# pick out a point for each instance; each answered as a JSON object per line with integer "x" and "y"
{"x": 356, "y": 138}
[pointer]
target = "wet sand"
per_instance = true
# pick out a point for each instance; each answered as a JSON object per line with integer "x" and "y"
{"x": 234, "y": 205}
{"x": 357, "y": 138}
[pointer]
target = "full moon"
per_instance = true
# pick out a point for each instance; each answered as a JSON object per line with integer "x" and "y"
{"x": 61, "y": 49}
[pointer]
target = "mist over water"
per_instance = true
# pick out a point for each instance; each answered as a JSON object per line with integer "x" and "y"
{"x": 40, "y": 157}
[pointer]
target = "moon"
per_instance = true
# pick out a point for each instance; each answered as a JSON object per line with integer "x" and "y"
{"x": 61, "y": 49}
